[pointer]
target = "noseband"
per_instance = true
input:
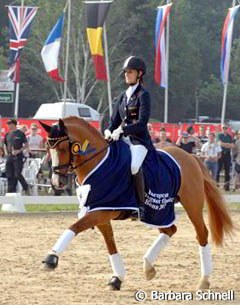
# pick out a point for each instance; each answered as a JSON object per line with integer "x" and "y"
{"x": 53, "y": 142}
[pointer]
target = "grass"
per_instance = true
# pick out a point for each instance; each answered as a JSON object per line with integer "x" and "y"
{"x": 74, "y": 207}
{"x": 51, "y": 207}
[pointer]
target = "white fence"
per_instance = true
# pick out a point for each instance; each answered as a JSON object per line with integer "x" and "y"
{"x": 74, "y": 200}
{"x": 16, "y": 203}
{"x": 41, "y": 199}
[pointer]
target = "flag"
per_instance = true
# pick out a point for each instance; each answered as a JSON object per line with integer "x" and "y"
{"x": 96, "y": 16}
{"x": 226, "y": 43}
{"x": 50, "y": 51}
{"x": 160, "y": 48}
{"x": 20, "y": 21}
{"x": 14, "y": 71}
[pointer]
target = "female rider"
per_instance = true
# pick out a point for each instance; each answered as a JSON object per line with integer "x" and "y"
{"x": 130, "y": 118}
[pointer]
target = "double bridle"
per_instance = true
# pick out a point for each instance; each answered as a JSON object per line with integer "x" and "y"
{"x": 53, "y": 142}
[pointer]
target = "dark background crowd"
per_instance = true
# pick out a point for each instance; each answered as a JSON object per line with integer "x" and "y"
{"x": 219, "y": 151}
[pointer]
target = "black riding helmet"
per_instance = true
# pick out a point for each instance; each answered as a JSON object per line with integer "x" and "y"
{"x": 135, "y": 63}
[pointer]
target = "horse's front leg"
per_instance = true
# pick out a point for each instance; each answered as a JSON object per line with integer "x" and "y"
{"x": 114, "y": 257}
{"x": 90, "y": 220}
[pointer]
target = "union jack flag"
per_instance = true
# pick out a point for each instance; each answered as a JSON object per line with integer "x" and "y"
{"x": 20, "y": 21}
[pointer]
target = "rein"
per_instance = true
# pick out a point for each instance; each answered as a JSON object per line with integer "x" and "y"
{"x": 53, "y": 142}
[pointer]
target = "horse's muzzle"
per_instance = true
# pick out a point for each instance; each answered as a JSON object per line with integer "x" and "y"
{"x": 59, "y": 181}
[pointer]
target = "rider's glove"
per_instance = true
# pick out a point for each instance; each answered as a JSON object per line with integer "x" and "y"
{"x": 107, "y": 135}
{"x": 116, "y": 133}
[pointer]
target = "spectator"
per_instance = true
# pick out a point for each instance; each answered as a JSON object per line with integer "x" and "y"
{"x": 193, "y": 138}
{"x": 163, "y": 141}
{"x": 2, "y": 155}
{"x": 24, "y": 129}
{"x": 15, "y": 142}
{"x": 190, "y": 130}
{"x": 2, "y": 163}
{"x": 236, "y": 169}
{"x": 185, "y": 143}
{"x": 35, "y": 141}
{"x": 162, "y": 129}
{"x": 226, "y": 142}
{"x": 188, "y": 142}
{"x": 211, "y": 152}
{"x": 202, "y": 136}
{"x": 234, "y": 135}
{"x": 152, "y": 132}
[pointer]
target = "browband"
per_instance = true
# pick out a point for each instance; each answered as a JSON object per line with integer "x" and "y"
{"x": 53, "y": 142}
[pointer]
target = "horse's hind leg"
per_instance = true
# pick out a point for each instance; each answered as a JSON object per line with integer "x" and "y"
{"x": 117, "y": 265}
{"x": 152, "y": 253}
{"x": 195, "y": 213}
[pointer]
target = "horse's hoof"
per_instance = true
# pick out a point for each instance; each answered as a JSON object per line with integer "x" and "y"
{"x": 148, "y": 270}
{"x": 50, "y": 262}
{"x": 204, "y": 283}
{"x": 150, "y": 274}
{"x": 115, "y": 283}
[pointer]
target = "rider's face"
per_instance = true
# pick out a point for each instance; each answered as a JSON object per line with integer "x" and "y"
{"x": 131, "y": 76}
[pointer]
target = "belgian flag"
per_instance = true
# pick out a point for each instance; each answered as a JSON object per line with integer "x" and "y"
{"x": 96, "y": 13}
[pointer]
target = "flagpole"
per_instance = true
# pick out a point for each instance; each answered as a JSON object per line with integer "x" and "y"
{"x": 226, "y": 84}
{"x": 107, "y": 68}
{"x": 17, "y": 89}
{"x": 16, "y": 100}
{"x": 167, "y": 64}
{"x": 67, "y": 60}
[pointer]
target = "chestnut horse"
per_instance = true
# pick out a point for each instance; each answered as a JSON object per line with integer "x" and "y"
{"x": 71, "y": 134}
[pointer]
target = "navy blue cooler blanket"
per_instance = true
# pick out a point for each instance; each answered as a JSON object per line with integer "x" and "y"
{"x": 162, "y": 182}
{"x": 111, "y": 183}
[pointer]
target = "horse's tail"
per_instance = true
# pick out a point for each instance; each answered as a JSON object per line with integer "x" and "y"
{"x": 220, "y": 221}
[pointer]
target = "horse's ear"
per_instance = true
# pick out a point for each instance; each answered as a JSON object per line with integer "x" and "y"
{"x": 61, "y": 125}
{"x": 46, "y": 127}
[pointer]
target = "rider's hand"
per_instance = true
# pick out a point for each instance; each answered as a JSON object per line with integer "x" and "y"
{"x": 116, "y": 133}
{"x": 107, "y": 135}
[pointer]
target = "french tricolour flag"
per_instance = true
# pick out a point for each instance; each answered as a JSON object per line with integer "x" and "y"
{"x": 50, "y": 51}
{"x": 160, "y": 45}
{"x": 226, "y": 43}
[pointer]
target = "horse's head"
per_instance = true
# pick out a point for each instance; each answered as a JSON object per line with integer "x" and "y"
{"x": 58, "y": 143}
{"x": 73, "y": 144}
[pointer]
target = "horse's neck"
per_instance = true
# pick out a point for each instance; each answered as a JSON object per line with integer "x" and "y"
{"x": 85, "y": 169}
{"x": 96, "y": 142}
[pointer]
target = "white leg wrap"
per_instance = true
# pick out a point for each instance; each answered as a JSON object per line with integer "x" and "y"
{"x": 117, "y": 266}
{"x": 206, "y": 260}
{"x": 158, "y": 245}
{"x": 63, "y": 241}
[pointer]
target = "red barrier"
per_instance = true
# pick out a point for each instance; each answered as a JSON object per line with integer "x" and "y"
{"x": 28, "y": 122}
{"x": 174, "y": 130}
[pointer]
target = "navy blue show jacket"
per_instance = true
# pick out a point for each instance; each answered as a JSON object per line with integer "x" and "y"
{"x": 133, "y": 116}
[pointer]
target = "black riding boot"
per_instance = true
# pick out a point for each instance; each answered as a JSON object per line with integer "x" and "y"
{"x": 139, "y": 185}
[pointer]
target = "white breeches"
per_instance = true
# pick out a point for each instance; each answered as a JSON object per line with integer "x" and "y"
{"x": 138, "y": 153}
